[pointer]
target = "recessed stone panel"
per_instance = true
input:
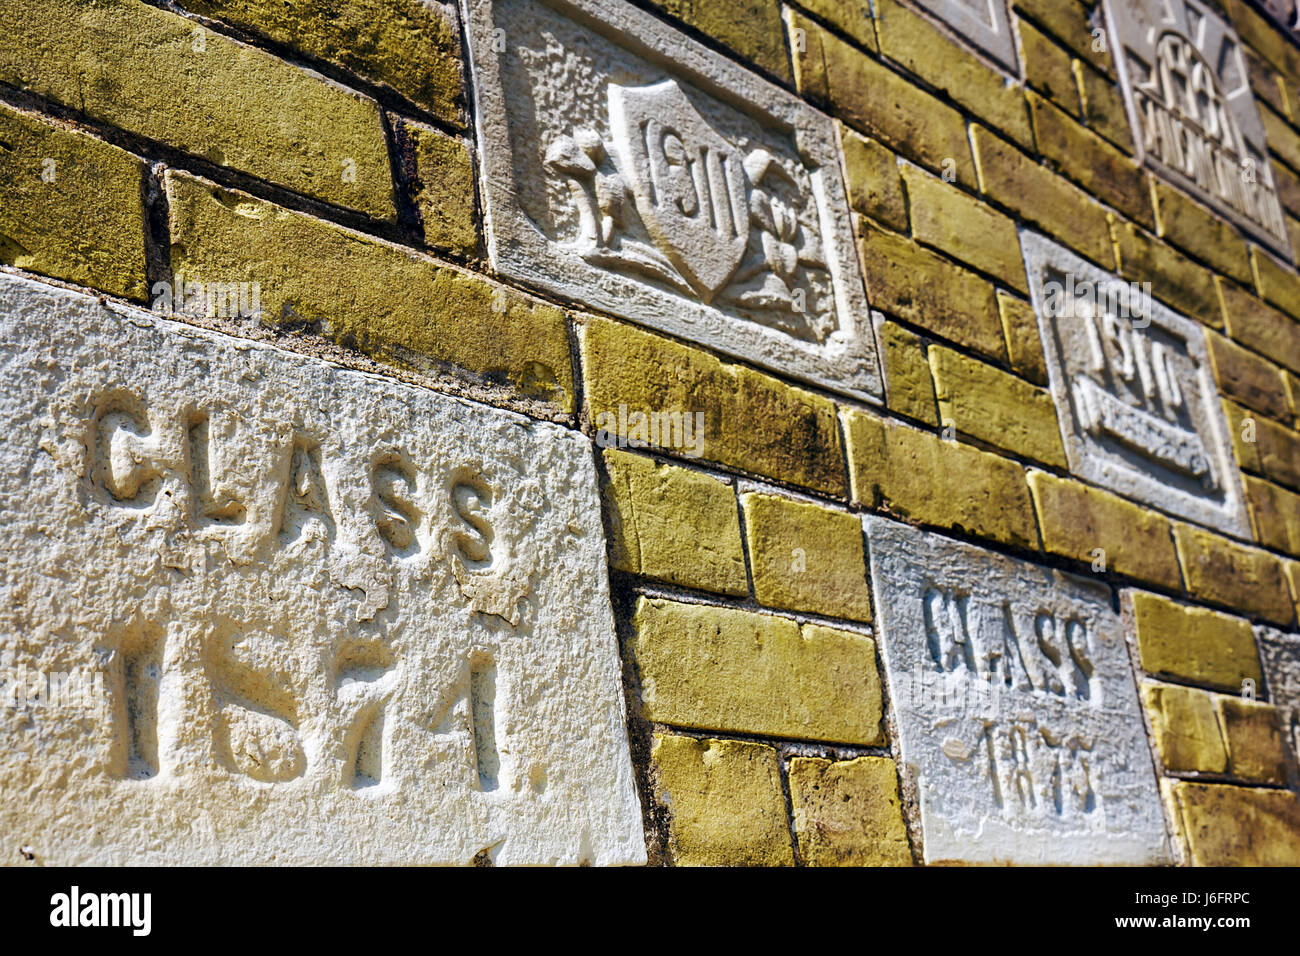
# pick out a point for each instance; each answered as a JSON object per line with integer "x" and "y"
{"x": 1280, "y": 655}
{"x": 1134, "y": 391}
{"x": 632, "y": 170}
{"x": 1016, "y": 709}
{"x": 255, "y": 608}
{"x": 983, "y": 23}
{"x": 1194, "y": 118}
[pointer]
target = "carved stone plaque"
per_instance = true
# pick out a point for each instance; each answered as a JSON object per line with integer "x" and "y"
{"x": 981, "y": 22}
{"x": 1280, "y": 655}
{"x": 1193, "y": 114}
{"x": 1017, "y": 714}
{"x": 1134, "y": 392}
{"x": 258, "y": 609}
{"x": 630, "y": 169}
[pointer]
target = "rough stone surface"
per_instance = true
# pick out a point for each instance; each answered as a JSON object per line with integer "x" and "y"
{"x": 847, "y": 812}
{"x": 1191, "y": 643}
{"x": 984, "y": 24}
{"x": 1236, "y": 826}
{"x": 326, "y": 614}
{"x": 1134, "y": 391}
{"x": 1221, "y": 571}
{"x": 1281, "y": 658}
{"x": 1185, "y": 728}
{"x": 443, "y": 189}
{"x": 589, "y": 124}
{"x": 1017, "y": 714}
{"x": 1253, "y": 731}
{"x": 909, "y": 387}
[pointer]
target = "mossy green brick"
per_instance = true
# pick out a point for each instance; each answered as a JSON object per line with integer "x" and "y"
{"x": 71, "y": 206}
{"x": 853, "y": 18}
{"x": 443, "y": 188}
{"x": 804, "y": 557}
{"x": 397, "y": 306}
{"x": 674, "y": 525}
{"x": 1185, "y": 728}
{"x": 1192, "y": 643}
{"x": 161, "y": 76}
{"x": 848, "y": 812}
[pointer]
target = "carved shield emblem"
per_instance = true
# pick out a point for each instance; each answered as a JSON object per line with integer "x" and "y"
{"x": 687, "y": 181}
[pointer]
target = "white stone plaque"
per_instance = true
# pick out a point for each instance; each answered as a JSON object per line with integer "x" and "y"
{"x": 630, "y": 169}
{"x": 258, "y": 609}
{"x": 1194, "y": 118}
{"x": 1280, "y": 654}
{"x": 1017, "y": 714}
{"x": 1134, "y": 392}
{"x": 981, "y": 22}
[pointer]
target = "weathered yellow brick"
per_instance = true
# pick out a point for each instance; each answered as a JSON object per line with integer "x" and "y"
{"x": 1265, "y": 446}
{"x": 1187, "y": 287}
{"x": 1024, "y": 343}
{"x": 806, "y": 558}
{"x": 750, "y": 27}
{"x": 1293, "y": 578}
{"x": 71, "y": 206}
{"x": 1277, "y": 284}
{"x": 1224, "y": 572}
{"x": 752, "y": 421}
{"x": 1282, "y": 139}
{"x": 1243, "y": 430}
{"x": 1091, "y": 162}
{"x": 1267, "y": 83}
{"x": 1076, "y": 520}
{"x": 1256, "y": 750}
{"x": 996, "y": 407}
{"x": 399, "y": 307}
{"x": 1046, "y": 200}
{"x": 724, "y": 802}
{"x": 729, "y": 670}
{"x": 413, "y": 47}
{"x": 915, "y": 284}
{"x": 159, "y": 75}
{"x": 673, "y": 524}
{"x": 920, "y": 476}
{"x": 1192, "y": 643}
{"x": 909, "y": 389}
{"x": 1204, "y": 234}
{"x": 871, "y": 177}
{"x": 1048, "y": 68}
{"x": 1266, "y": 38}
{"x": 848, "y": 813}
{"x": 1259, "y": 326}
{"x": 1245, "y": 376}
{"x": 1293, "y": 394}
{"x": 1223, "y": 825}
{"x": 1103, "y": 106}
{"x": 1067, "y": 20}
{"x": 443, "y": 188}
{"x": 851, "y": 17}
{"x": 1288, "y": 187}
{"x": 909, "y": 39}
{"x": 1275, "y": 515}
{"x": 880, "y": 103}
{"x": 956, "y": 222}
{"x": 1185, "y": 728}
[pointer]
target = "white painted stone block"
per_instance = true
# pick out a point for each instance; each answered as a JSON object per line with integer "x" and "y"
{"x": 258, "y": 609}
{"x": 1017, "y": 714}
{"x": 1134, "y": 392}
{"x": 630, "y": 169}
{"x": 1280, "y": 655}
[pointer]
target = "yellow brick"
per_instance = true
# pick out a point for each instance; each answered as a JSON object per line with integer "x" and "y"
{"x": 1293, "y": 394}
{"x": 1293, "y": 578}
{"x": 396, "y": 306}
{"x": 1267, "y": 84}
{"x": 1067, "y": 20}
{"x": 734, "y": 671}
{"x": 1267, "y": 39}
{"x": 1260, "y": 327}
{"x": 1011, "y": 178}
{"x": 1256, "y": 750}
{"x": 920, "y": 476}
{"x": 1076, "y": 520}
{"x": 1174, "y": 278}
{"x": 1192, "y": 643}
{"x": 159, "y": 75}
{"x": 1243, "y": 429}
{"x": 750, "y": 27}
{"x": 443, "y": 189}
{"x": 1024, "y": 343}
{"x": 1275, "y": 450}
{"x": 851, "y": 17}
{"x": 1204, "y": 234}
{"x": 806, "y": 558}
{"x": 1103, "y": 106}
{"x": 1278, "y": 285}
{"x": 880, "y": 103}
{"x": 1048, "y": 68}
{"x": 996, "y": 407}
{"x": 909, "y": 39}
{"x": 1091, "y": 162}
{"x": 1224, "y": 825}
{"x": 672, "y": 524}
{"x": 914, "y": 284}
{"x": 1275, "y": 515}
{"x": 408, "y": 45}
{"x": 752, "y": 421}
{"x": 1248, "y": 378}
{"x": 1283, "y": 141}
{"x": 1288, "y": 187}
{"x": 871, "y": 176}
{"x": 723, "y": 800}
{"x": 848, "y": 813}
{"x": 70, "y": 206}
{"x": 909, "y": 389}
{"x": 1185, "y": 728}
{"x": 1224, "y": 572}
{"x": 959, "y": 224}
